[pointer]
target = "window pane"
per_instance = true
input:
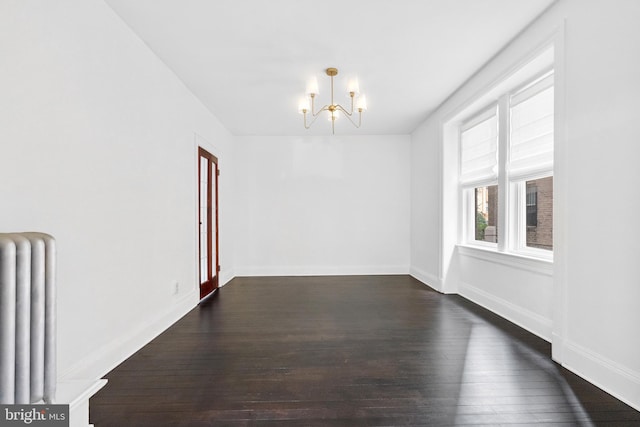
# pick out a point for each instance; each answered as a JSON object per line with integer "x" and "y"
{"x": 539, "y": 208}
{"x": 486, "y": 213}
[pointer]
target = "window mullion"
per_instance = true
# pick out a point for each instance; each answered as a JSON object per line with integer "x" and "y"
{"x": 503, "y": 181}
{"x": 469, "y": 221}
{"x": 518, "y": 216}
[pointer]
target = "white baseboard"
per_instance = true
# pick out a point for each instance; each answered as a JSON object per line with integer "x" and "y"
{"x": 321, "y": 270}
{"x": 427, "y": 278}
{"x": 226, "y": 277}
{"x": 526, "y": 319}
{"x": 102, "y": 360}
{"x": 603, "y": 373}
{"x": 76, "y": 394}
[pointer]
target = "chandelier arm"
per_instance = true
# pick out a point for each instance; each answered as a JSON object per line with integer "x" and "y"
{"x": 359, "y": 119}
{"x": 341, "y": 108}
{"x": 325, "y": 108}
{"x": 307, "y": 126}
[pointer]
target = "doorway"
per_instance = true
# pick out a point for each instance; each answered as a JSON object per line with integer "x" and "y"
{"x": 209, "y": 266}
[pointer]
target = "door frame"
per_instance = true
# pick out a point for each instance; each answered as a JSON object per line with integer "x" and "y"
{"x": 212, "y": 282}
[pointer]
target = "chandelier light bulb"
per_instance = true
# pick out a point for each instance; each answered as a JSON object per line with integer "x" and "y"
{"x": 353, "y": 86}
{"x": 312, "y": 86}
{"x": 361, "y": 105}
{"x": 303, "y": 106}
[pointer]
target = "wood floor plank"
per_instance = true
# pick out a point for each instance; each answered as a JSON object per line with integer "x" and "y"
{"x": 347, "y": 351}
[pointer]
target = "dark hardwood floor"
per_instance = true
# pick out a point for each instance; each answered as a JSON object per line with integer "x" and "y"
{"x": 347, "y": 351}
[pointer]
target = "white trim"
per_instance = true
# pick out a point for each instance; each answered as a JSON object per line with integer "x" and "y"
{"x": 428, "y": 279}
{"x": 324, "y": 270}
{"x": 468, "y": 215}
{"x": 479, "y": 116}
{"x": 561, "y": 195}
{"x": 517, "y": 261}
{"x": 557, "y": 341}
{"x": 616, "y": 379}
{"x": 440, "y": 197}
{"x": 531, "y": 89}
{"x": 486, "y": 182}
{"x": 226, "y": 277}
{"x": 504, "y": 200}
{"x": 77, "y": 394}
{"x": 196, "y": 200}
{"x": 518, "y": 242}
{"x": 538, "y": 58}
{"x": 531, "y": 175}
{"x": 526, "y": 319}
{"x": 102, "y": 360}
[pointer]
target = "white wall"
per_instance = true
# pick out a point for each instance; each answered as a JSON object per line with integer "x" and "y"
{"x": 603, "y": 238}
{"x": 322, "y": 205}
{"x": 520, "y": 290}
{"x": 425, "y": 202}
{"x": 97, "y": 148}
{"x": 591, "y": 305}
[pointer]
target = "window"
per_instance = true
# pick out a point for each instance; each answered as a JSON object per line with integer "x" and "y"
{"x": 506, "y": 171}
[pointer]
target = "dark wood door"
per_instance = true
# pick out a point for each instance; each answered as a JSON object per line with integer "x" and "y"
{"x": 208, "y": 218}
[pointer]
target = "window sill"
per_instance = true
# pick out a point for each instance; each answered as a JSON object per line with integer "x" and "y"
{"x": 514, "y": 260}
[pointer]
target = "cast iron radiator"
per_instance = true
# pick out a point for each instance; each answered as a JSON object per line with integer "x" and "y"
{"x": 27, "y": 318}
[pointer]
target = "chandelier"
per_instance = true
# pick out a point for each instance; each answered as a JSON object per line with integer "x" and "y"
{"x": 358, "y": 103}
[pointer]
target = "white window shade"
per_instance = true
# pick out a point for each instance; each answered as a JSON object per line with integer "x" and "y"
{"x": 479, "y": 151}
{"x": 531, "y": 141}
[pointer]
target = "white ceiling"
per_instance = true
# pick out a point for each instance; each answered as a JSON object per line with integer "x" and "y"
{"x": 249, "y": 61}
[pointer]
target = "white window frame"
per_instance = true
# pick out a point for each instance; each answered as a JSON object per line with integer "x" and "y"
{"x": 469, "y": 226}
{"x": 518, "y": 211}
{"x": 511, "y": 221}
